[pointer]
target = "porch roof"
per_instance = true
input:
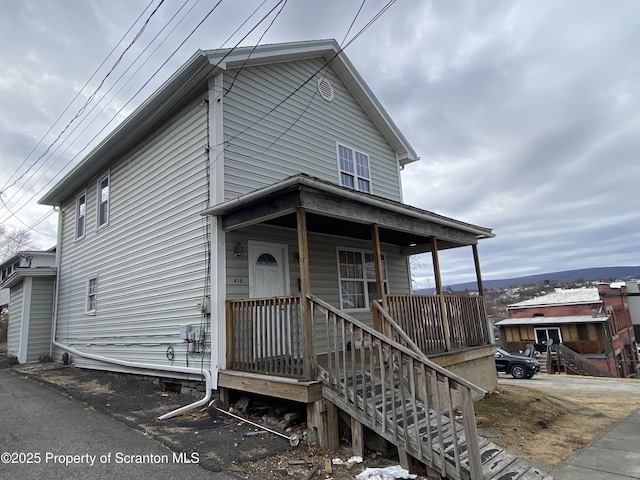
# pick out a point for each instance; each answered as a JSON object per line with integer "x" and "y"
{"x": 23, "y": 272}
{"x": 552, "y": 320}
{"x": 341, "y": 211}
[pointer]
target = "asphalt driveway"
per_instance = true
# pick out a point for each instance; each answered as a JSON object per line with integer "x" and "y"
{"x": 70, "y": 411}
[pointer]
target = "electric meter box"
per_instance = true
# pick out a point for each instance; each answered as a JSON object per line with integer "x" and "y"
{"x": 185, "y": 330}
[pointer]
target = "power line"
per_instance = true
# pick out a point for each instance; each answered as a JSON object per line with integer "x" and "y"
{"x": 175, "y": 51}
{"x": 74, "y": 99}
{"x": 82, "y": 109}
{"x": 382, "y": 11}
{"x": 30, "y": 227}
{"x": 87, "y": 125}
{"x": 327, "y": 63}
{"x": 310, "y": 100}
{"x": 257, "y": 43}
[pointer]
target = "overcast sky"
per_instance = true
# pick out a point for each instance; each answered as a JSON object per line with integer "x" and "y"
{"x": 526, "y": 115}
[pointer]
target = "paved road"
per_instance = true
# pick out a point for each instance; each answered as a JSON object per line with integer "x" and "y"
{"x": 45, "y": 434}
{"x": 576, "y": 383}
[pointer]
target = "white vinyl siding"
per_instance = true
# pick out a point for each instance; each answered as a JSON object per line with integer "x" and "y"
{"x": 300, "y": 135}
{"x": 152, "y": 260}
{"x": 40, "y": 319}
{"x": 16, "y": 303}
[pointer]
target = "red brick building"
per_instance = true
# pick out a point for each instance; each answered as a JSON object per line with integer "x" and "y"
{"x": 594, "y": 322}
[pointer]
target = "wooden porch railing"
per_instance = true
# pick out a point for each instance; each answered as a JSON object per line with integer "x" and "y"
{"x": 264, "y": 335}
{"x": 399, "y": 394}
{"x": 462, "y": 323}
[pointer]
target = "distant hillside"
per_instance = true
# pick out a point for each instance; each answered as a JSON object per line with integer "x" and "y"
{"x": 604, "y": 274}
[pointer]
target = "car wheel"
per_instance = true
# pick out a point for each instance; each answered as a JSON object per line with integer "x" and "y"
{"x": 518, "y": 371}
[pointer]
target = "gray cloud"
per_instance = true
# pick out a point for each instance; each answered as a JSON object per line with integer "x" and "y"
{"x": 525, "y": 114}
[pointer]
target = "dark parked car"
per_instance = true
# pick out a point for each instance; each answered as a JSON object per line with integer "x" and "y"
{"x": 518, "y": 367}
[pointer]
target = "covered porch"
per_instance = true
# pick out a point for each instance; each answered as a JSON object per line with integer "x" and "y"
{"x": 278, "y": 343}
{"x": 314, "y": 304}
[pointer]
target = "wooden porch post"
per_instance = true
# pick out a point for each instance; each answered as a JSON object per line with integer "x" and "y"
{"x": 482, "y": 312}
{"x": 476, "y": 260}
{"x": 443, "y": 306}
{"x": 307, "y": 327}
{"x": 377, "y": 256}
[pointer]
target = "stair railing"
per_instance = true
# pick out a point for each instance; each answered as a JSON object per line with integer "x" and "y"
{"x": 570, "y": 358}
{"x": 398, "y": 393}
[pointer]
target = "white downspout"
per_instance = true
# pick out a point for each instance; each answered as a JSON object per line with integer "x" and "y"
{"x": 124, "y": 363}
{"x": 57, "y": 284}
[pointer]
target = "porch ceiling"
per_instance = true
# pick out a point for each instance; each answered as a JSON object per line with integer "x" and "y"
{"x": 340, "y": 211}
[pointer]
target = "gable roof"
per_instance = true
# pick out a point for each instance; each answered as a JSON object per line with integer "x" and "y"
{"x": 193, "y": 75}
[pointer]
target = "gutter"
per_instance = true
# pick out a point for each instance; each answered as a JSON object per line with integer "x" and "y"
{"x": 125, "y": 363}
{"x": 291, "y": 181}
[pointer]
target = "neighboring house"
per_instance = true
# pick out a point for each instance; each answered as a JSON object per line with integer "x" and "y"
{"x": 593, "y": 322}
{"x": 246, "y": 222}
{"x": 29, "y": 278}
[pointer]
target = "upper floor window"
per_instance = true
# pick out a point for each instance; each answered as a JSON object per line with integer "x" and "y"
{"x": 81, "y": 214}
{"x": 103, "y": 201}
{"x": 357, "y": 278}
{"x": 354, "y": 169}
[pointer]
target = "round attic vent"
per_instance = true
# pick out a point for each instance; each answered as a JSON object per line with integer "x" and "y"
{"x": 325, "y": 89}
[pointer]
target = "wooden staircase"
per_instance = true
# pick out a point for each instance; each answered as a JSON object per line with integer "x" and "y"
{"x": 397, "y": 392}
{"x": 427, "y": 435}
{"x": 572, "y": 362}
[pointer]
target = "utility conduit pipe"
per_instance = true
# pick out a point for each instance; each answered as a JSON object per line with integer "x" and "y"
{"x": 149, "y": 366}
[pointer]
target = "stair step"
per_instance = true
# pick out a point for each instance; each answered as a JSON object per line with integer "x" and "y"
{"x": 426, "y": 434}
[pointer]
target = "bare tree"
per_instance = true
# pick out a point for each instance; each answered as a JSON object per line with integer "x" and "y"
{"x": 12, "y": 241}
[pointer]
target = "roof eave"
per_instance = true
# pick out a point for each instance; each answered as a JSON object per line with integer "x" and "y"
{"x": 302, "y": 179}
{"x": 132, "y": 129}
{"x": 24, "y": 272}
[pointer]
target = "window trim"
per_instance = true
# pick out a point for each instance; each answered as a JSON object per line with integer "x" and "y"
{"x": 88, "y": 296}
{"x": 364, "y": 280}
{"x": 99, "y": 225}
{"x": 84, "y": 223}
{"x": 353, "y": 174}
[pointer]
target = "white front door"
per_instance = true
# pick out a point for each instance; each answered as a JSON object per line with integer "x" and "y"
{"x": 268, "y": 270}
{"x": 269, "y": 277}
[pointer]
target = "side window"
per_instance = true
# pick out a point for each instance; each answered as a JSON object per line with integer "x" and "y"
{"x": 81, "y": 214}
{"x": 357, "y": 278}
{"x": 354, "y": 169}
{"x": 92, "y": 295}
{"x": 103, "y": 201}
